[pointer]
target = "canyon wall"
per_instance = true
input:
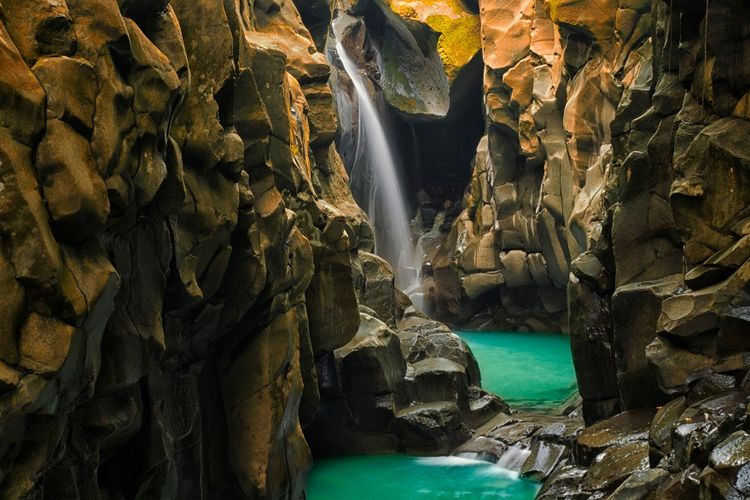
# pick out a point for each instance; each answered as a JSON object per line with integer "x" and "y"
{"x": 188, "y": 293}
{"x": 176, "y": 251}
{"x": 187, "y": 282}
{"x": 609, "y": 198}
{"x": 609, "y": 195}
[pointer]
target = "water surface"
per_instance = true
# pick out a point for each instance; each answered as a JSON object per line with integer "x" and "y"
{"x": 530, "y": 371}
{"x": 402, "y": 477}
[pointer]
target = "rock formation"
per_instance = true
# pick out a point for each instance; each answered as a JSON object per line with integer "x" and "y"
{"x": 181, "y": 256}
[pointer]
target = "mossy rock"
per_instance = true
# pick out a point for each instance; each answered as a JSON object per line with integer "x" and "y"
{"x": 458, "y": 29}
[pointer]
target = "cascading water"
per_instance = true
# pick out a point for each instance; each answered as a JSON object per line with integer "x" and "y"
{"x": 375, "y": 182}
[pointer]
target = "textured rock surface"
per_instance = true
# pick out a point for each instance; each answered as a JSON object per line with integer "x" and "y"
{"x": 182, "y": 262}
{"x": 176, "y": 250}
{"x": 406, "y": 384}
{"x": 616, "y": 151}
{"x": 608, "y": 198}
{"x": 187, "y": 280}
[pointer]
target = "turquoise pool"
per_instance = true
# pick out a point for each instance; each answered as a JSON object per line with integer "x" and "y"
{"x": 401, "y": 477}
{"x": 531, "y": 371}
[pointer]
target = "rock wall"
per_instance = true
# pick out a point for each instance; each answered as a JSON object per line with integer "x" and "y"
{"x": 617, "y": 139}
{"x": 609, "y": 198}
{"x": 176, "y": 247}
{"x": 611, "y": 179}
{"x": 187, "y": 284}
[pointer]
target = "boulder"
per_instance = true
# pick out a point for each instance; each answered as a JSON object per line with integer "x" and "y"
{"x": 624, "y": 428}
{"x": 616, "y": 464}
{"x": 436, "y": 379}
{"x": 431, "y": 427}
{"x": 371, "y": 362}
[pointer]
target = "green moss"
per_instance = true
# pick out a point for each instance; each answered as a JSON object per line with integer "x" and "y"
{"x": 459, "y": 41}
{"x": 396, "y": 81}
{"x": 459, "y": 29}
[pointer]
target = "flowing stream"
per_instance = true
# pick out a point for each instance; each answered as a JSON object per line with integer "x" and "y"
{"x": 375, "y": 182}
{"x": 401, "y": 477}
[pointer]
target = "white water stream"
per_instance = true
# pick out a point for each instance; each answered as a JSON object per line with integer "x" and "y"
{"x": 375, "y": 177}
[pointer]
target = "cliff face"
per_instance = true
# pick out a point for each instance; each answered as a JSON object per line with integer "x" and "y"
{"x": 610, "y": 197}
{"x": 615, "y": 169}
{"x": 612, "y": 178}
{"x": 556, "y": 74}
{"x": 187, "y": 281}
{"x": 177, "y": 234}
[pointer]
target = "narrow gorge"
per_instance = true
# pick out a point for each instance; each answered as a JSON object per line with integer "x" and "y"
{"x": 405, "y": 249}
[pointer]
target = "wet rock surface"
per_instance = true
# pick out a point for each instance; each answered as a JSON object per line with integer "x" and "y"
{"x": 411, "y": 389}
{"x": 611, "y": 136}
{"x": 534, "y": 445}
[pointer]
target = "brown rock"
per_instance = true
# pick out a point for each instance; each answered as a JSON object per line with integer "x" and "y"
{"x": 74, "y": 107}
{"x": 45, "y": 344}
{"x": 75, "y": 194}
{"x": 627, "y": 427}
{"x": 41, "y": 27}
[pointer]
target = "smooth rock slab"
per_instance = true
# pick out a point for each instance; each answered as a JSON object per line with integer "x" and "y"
{"x": 372, "y": 361}
{"x": 436, "y": 379}
{"x": 432, "y": 427}
{"x": 621, "y": 429}
{"x": 616, "y": 464}
{"x": 640, "y": 484}
{"x": 543, "y": 459}
{"x": 565, "y": 483}
{"x": 732, "y": 453}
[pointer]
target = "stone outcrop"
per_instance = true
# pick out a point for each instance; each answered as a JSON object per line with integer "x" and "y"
{"x": 189, "y": 294}
{"x": 534, "y": 445}
{"x": 404, "y": 383}
{"x": 616, "y": 150}
{"x": 422, "y": 63}
{"x": 684, "y": 450}
{"x": 182, "y": 262}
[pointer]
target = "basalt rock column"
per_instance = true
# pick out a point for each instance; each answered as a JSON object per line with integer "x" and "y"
{"x": 176, "y": 248}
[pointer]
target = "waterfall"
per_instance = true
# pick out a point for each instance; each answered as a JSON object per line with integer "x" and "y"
{"x": 374, "y": 179}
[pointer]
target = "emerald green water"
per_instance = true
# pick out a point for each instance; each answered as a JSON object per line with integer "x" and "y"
{"x": 530, "y": 371}
{"x": 401, "y": 477}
